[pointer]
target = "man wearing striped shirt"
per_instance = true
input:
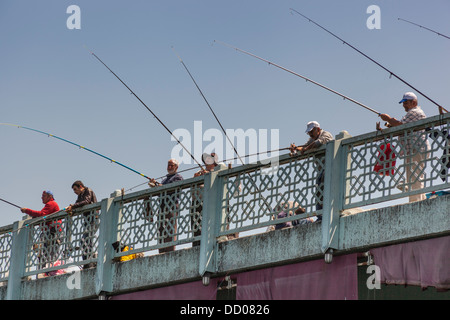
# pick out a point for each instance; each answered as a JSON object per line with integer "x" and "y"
{"x": 416, "y": 145}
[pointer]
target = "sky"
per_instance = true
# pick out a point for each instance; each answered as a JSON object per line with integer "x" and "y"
{"x": 49, "y": 81}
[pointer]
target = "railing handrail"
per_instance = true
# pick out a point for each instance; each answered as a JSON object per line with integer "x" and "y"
{"x": 30, "y": 221}
{"x": 397, "y": 130}
{"x": 183, "y": 184}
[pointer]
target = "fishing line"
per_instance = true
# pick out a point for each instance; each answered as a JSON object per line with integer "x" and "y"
{"x": 378, "y": 64}
{"x": 299, "y": 75}
{"x": 142, "y": 102}
{"x": 75, "y": 144}
{"x": 439, "y": 34}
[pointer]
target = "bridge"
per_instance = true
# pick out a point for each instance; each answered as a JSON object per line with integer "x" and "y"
{"x": 229, "y": 242}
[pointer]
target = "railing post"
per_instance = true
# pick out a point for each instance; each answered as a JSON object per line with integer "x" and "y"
{"x": 333, "y": 198}
{"x": 17, "y": 260}
{"x": 211, "y": 221}
{"x": 109, "y": 219}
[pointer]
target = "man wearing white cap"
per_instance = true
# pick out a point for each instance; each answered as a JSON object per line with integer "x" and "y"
{"x": 416, "y": 144}
{"x": 317, "y": 138}
{"x": 413, "y": 111}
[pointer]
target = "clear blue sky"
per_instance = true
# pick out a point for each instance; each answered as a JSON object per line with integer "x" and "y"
{"x": 50, "y": 82}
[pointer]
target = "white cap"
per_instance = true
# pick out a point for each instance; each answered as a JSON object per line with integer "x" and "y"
{"x": 408, "y": 96}
{"x": 311, "y": 125}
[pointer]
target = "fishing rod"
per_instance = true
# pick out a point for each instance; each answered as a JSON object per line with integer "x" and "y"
{"x": 378, "y": 64}
{"x": 142, "y": 102}
{"x": 75, "y": 144}
{"x": 15, "y": 205}
{"x": 209, "y": 106}
{"x": 303, "y": 77}
{"x": 439, "y": 34}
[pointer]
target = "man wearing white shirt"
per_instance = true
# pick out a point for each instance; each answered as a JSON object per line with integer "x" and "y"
{"x": 416, "y": 144}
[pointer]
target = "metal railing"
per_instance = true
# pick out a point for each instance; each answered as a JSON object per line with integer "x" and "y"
{"x": 412, "y": 159}
{"x": 5, "y": 251}
{"x": 253, "y": 196}
{"x": 62, "y": 240}
{"x": 161, "y": 217}
{"x": 205, "y": 210}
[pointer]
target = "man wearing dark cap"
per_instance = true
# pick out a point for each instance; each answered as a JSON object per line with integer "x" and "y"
{"x": 51, "y": 231}
{"x": 50, "y": 206}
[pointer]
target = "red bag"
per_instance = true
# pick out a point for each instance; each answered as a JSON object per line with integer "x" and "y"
{"x": 383, "y": 167}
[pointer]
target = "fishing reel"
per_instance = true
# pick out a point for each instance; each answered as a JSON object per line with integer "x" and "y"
{"x": 293, "y": 150}
{"x": 386, "y": 124}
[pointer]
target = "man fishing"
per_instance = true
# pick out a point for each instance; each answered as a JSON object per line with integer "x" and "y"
{"x": 169, "y": 207}
{"x": 90, "y": 222}
{"x": 212, "y": 163}
{"x": 317, "y": 138}
{"x": 85, "y": 196}
{"x": 51, "y": 231}
{"x": 50, "y": 206}
{"x": 416, "y": 146}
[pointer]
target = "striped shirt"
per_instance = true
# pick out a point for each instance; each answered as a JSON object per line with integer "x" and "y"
{"x": 417, "y": 141}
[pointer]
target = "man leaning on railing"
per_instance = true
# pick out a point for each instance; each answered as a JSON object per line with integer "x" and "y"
{"x": 169, "y": 207}
{"x": 317, "y": 138}
{"x": 415, "y": 144}
{"x": 90, "y": 222}
{"x": 50, "y": 237}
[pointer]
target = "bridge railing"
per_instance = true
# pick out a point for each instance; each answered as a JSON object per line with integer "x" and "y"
{"x": 348, "y": 172}
{"x": 159, "y": 218}
{"x": 396, "y": 152}
{"x": 61, "y": 240}
{"x": 6, "y": 234}
{"x": 253, "y": 196}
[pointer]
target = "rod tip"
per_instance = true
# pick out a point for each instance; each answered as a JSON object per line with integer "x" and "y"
{"x": 87, "y": 49}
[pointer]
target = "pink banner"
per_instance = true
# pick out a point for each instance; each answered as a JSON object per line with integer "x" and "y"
{"x": 311, "y": 280}
{"x": 185, "y": 291}
{"x": 422, "y": 263}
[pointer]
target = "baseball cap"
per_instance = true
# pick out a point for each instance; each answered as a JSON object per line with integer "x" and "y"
{"x": 49, "y": 193}
{"x": 210, "y": 158}
{"x": 408, "y": 96}
{"x": 311, "y": 125}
